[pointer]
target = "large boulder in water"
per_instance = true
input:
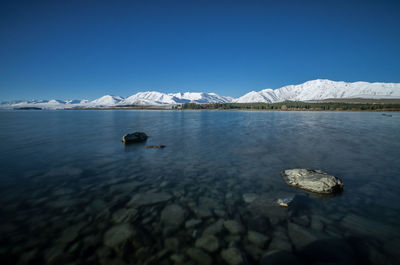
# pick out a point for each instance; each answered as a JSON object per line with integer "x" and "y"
{"x": 135, "y": 137}
{"x": 313, "y": 180}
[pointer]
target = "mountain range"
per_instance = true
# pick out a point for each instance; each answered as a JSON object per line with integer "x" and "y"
{"x": 313, "y": 90}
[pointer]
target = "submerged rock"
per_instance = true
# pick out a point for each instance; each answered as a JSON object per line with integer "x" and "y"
{"x": 135, "y": 137}
{"x": 258, "y": 223}
{"x": 279, "y": 257}
{"x": 124, "y": 215}
{"x": 366, "y": 227}
{"x": 215, "y": 228}
{"x": 172, "y": 243}
{"x": 199, "y": 256}
{"x": 202, "y": 212}
{"x": 148, "y": 198}
{"x": 209, "y": 243}
{"x": 234, "y": 227}
{"x": 313, "y": 180}
{"x": 117, "y": 236}
{"x": 254, "y": 252}
{"x": 302, "y": 236}
{"x": 249, "y": 197}
{"x": 257, "y": 239}
{"x": 173, "y": 215}
{"x": 178, "y": 258}
{"x": 70, "y": 234}
{"x": 329, "y": 251}
{"x": 280, "y": 240}
{"x": 232, "y": 256}
{"x": 192, "y": 223}
{"x": 266, "y": 207}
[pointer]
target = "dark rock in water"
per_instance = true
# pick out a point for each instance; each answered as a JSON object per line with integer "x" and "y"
{"x": 199, "y": 256}
{"x": 234, "y": 227}
{"x": 192, "y": 223}
{"x": 148, "y": 198}
{"x": 387, "y": 115}
{"x": 254, "y": 253}
{"x": 266, "y": 207}
{"x": 172, "y": 243}
{"x": 155, "y": 146}
{"x": 313, "y": 180}
{"x": 257, "y": 239}
{"x": 302, "y": 236}
{"x": 257, "y": 223}
{"x": 209, "y": 243}
{"x": 173, "y": 215}
{"x": 329, "y": 251}
{"x": 280, "y": 240}
{"x": 232, "y": 256}
{"x": 124, "y": 215}
{"x": 118, "y": 236}
{"x": 302, "y": 220}
{"x": 279, "y": 258}
{"x": 135, "y": 137}
{"x": 249, "y": 197}
{"x": 142, "y": 254}
{"x": 215, "y": 228}
{"x": 365, "y": 226}
{"x": 202, "y": 212}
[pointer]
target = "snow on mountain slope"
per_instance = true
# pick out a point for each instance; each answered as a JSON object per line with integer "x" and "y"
{"x": 148, "y": 98}
{"x": 107, "y": 100}
{"x": 266, "y": 95}
{"x": 141, "y": 98}
{"x": 197, "y": 97}
{"x": 44, "y": 104}
{"x": 321, "y": 89}
{"x": 158, "y": 98}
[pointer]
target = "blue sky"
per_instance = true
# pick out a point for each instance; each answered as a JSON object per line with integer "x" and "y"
{"x": 85, "y": 49}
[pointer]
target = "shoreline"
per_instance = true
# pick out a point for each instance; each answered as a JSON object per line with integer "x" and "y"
{"x": 278, "y": 106}
{"x": 252, "y": 110}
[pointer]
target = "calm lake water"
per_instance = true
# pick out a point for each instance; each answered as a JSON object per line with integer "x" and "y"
{"x": 72, "y": 193}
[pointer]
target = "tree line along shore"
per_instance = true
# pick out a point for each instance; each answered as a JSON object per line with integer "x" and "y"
{"x": 295, "y": 106}
{"x": 280, "y": 106}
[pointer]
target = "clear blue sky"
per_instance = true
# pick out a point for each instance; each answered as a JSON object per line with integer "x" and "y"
{"x": 85, "y": 49}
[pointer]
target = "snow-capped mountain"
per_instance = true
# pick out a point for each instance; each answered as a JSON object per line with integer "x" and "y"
{"x": 153, "y": 98}
{"x": 45, "y": 104}
{"x": 107, "y": 100}
{"x": 321, "y": 89}
{"x": 148, "y": 98}
{"x": 195, "y": 97}
{"x": 158, "y": 98}
{"x": 266, "y": 95}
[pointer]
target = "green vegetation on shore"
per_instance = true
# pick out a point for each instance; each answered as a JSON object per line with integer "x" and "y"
{"x": 296, "y": 105}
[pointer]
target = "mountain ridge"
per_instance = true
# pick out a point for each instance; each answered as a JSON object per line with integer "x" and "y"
{"x": 319, "y": 89}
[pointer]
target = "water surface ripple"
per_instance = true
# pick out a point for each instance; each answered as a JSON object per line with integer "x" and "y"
{"x": 72, "y": 193}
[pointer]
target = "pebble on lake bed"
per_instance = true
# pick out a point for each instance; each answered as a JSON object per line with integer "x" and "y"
{"x": 284, "y": 202}
{"x": 313, "y": 180}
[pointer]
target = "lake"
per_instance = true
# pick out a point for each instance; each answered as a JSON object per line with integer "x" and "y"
{"x": 72, "y": 193}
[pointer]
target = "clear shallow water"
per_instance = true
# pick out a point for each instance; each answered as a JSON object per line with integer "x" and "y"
{"x": 71, "y": 192}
